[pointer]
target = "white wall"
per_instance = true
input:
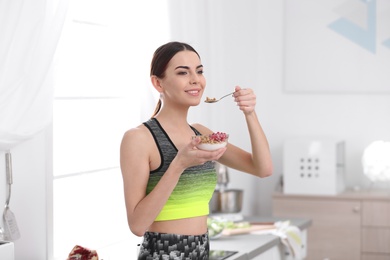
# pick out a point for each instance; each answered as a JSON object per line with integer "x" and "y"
{"x": 243, "y": 44}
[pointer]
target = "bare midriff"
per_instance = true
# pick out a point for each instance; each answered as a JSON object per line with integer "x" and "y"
{"x": 186, "y": 226}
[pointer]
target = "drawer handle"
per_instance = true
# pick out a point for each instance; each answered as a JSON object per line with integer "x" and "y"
{"x": 356, "y": 209}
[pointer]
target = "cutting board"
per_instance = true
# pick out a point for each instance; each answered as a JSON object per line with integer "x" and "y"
{"x": 252, "y": 228}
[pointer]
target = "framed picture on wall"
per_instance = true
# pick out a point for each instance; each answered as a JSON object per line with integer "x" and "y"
{"x": 337, "y": 46}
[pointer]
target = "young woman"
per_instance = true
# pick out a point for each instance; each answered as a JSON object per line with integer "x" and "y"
{"x": 168, "y": 182}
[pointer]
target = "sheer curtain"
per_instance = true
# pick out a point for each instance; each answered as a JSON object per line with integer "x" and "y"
{"x": 29, "y": 34}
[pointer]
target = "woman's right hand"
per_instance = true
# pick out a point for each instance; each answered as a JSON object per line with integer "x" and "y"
{"x": 190, "y": 155}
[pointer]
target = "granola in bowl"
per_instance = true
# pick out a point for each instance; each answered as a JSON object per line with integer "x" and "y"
{"x": 213, "y": 141}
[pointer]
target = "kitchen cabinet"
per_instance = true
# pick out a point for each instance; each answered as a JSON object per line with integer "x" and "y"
{"x": 350, "y": 225}
{"x": 376, "y": 230}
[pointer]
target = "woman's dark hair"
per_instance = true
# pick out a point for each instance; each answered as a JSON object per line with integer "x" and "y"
{"x": 161, "y": 58}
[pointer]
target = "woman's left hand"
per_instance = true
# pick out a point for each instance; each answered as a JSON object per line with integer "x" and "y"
{"x": 245, "y": 99}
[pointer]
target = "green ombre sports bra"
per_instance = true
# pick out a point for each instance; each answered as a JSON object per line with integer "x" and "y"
{"x": 191, "y": 196}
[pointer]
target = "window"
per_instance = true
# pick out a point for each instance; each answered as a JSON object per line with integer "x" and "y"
{"x": 101, "y": 79}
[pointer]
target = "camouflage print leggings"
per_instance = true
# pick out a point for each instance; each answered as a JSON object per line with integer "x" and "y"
{"x": 161, "y": 246}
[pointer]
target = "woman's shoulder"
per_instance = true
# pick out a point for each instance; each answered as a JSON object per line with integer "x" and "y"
{"x": 202, "y": 129}
{"x": 136, "y": 135}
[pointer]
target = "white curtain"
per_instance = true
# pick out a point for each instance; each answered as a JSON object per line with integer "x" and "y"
{"x": 29, "y": 33}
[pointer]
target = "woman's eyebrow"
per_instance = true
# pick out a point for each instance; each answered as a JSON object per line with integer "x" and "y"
{"x": 187, "y": 68}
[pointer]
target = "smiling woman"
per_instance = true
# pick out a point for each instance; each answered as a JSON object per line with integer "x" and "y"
{"x": 168, "y": 178}
{"x": 97, "y": 97}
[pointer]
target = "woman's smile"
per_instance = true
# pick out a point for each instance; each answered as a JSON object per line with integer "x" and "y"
{"x": 193, "y": 92}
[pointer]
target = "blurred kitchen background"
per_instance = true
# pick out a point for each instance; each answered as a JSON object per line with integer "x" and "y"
{"x": 67, "y": 186}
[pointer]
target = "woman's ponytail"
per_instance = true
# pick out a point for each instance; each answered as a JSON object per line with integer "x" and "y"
{"x": 157, "y": 109}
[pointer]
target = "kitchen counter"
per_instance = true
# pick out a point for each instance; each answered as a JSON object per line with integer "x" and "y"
{"x": 256, "y": 246}
{"x": 7, "y": 250}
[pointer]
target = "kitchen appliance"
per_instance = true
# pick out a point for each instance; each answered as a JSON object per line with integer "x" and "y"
{"x": 225, "y": 200}
{"x": 222, "y": 176}
{"x": 313, "y": 165}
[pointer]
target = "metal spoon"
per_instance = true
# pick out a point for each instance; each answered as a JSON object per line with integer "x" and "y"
{"x": 214, "y": 100}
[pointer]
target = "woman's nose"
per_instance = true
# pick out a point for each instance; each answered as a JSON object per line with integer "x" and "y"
{"x": 194, "y": 79}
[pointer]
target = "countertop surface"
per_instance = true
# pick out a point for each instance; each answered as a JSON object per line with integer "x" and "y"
{"x": 252, "y": 245}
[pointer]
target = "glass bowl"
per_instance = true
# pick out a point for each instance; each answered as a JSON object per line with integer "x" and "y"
{"x": 215, "y": 227}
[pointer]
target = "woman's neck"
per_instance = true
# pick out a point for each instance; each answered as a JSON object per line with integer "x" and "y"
{"x": 173, "y": 116}
{"x": 174, "y": 122}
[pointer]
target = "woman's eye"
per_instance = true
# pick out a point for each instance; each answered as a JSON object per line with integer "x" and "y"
{"x": 200, "y": 72}
{"x": 182, "y": 73}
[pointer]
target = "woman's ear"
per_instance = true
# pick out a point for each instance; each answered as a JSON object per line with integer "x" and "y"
{"x": 156, "y": 83}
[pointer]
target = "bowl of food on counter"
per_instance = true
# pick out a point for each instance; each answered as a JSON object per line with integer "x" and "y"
{"x": 219, "y": 226}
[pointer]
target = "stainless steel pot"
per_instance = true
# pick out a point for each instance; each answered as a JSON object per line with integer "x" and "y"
{"x": 226, "y": 201}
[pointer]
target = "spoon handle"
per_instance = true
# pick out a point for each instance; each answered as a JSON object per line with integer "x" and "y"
{"x": 227, "y": 95}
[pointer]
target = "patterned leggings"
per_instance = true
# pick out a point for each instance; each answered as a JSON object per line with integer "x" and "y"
{"x": 161, "y": 246}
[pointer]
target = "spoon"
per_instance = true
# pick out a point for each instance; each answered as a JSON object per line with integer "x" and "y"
{"x": 214, "y": 100}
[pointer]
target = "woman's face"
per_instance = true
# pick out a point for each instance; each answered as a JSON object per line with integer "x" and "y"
{"x": 184, "y": 81}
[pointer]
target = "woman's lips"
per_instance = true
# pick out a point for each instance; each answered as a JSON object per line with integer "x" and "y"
{"x": 193, "y": 92}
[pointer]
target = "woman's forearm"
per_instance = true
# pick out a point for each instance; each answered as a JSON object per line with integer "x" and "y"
{"x": 261, "y": 156}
